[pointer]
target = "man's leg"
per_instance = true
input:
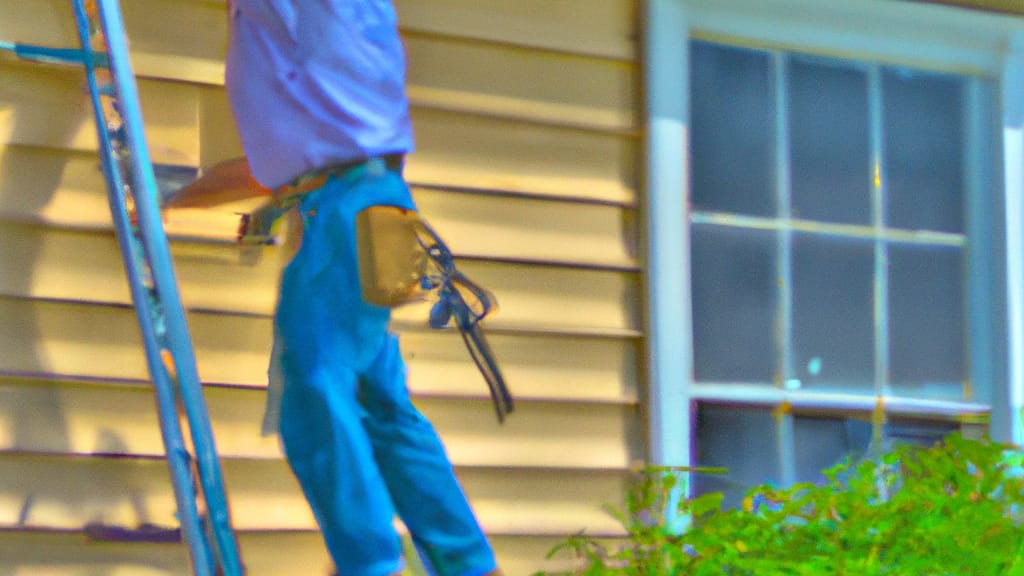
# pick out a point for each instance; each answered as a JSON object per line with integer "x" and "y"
{"x": 325, "y": 333}
{"x": 332, "y": 458}
{"x": 418, "y": 474}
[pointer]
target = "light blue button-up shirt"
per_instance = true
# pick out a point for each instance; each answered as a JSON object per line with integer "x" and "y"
{"x": 314, "y": 83}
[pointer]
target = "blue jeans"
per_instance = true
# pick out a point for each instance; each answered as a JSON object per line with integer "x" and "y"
{"x": 357, "y": 445}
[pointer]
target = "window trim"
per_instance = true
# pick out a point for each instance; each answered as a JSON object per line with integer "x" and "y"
{"x": 1008, "y": 403}
{"x": 668, "y": 319}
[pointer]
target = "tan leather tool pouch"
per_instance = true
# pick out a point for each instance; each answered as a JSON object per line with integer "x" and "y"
{"x": 391, "y": 260}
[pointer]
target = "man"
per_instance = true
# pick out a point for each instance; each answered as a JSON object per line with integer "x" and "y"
{"x": 317, "y": 90}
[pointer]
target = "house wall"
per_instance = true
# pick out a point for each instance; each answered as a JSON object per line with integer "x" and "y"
{"x": 526, "y": 119}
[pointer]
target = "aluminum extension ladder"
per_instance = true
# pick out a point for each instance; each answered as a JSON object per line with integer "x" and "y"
{"x": 134, "y": 207}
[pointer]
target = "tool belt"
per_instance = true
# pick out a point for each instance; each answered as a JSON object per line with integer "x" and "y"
{"x": 255, "y": 228}
{"x": 286, "y": 194}
{"x": 392, "y": 261}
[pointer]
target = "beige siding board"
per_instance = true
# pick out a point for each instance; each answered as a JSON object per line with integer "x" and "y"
{"x": 231, "y": 348}
{"x": 537, "y": 87}
{"x": 69, "y": 493}
{"x": 515, "y": 82}
{"x": 175, "y": 39}
{"x": 527, "y": 555}
{"x": 485, "y": 153}
{"x": 64, "y": 188}
{"x": 79, "y": 419}
{"x": 44, "y": 22}
{"x": 42, "y": 337}
{"x": 510, "y": 501}
{"x": 598, "y": 27}
{"x": 459, "y": 150}
{"x": 535, "y": 297}
{"x": 489, "y": 80}
{"x": 104, "y": 342}
{"x": 43, "y": 262}
{"x": 40, "y": 262}
{"x": 191, "y": 29}
{"x": 59, "y": 187}
{"x": 545, "y": 435}
{"x": 270, "y": 554}
{"x": 45, "y": 106}
{"x": 49, "y": 263}
{"x": 67, "y": 339}
{"x": 41, "y": 416}
{"x": 532, "y": 229}
{"x": 549, "y": 367}
{"x": 70, "y": 554}
{"x": 265, "y": 495}
{"x": 171, "y": 115}
{"x": 218, "y": 135}
{"x": 196, "y": 28}
{"x": 46, "y": 554}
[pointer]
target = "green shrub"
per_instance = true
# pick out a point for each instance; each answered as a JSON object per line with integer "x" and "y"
{"x": 953, "y": 509}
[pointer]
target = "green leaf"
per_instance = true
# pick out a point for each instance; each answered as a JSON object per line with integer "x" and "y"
{"x": 711, "y": 502}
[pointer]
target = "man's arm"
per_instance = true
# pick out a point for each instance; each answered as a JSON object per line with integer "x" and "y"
{"x": 227, "y": 181}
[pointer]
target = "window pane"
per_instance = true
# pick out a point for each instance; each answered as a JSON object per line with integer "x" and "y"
{"x": 732, "y": 136}
{"x": 821, "y": 442}
{"x": 829, "y": 139}
{"x": 734, "y": 298}
{"x": 923, "y": 150}
{"x": 833, "y": 312}
{"x": 741, "y": 439}
{"x": 926, "y": 308}
{"x": 917, "y": 432}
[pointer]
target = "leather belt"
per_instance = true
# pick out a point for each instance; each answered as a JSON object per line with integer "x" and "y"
{"x": 317, "y": 178}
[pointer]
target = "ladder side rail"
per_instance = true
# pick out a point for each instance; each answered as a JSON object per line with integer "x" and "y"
{"x": 158, "y": 255}
{"x": 178, "y": 459}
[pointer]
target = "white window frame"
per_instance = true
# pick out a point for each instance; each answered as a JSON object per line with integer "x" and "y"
{"x": 933, "y": 37}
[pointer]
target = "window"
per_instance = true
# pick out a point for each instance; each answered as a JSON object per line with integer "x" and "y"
{"x": 842, "y": 233}
{"x": 828, "y": 244}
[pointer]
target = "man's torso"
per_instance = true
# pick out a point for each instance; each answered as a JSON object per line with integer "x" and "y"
{"x": 316, "y": 83}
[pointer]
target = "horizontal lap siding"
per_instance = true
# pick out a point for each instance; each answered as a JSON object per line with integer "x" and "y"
{"x": 266, "y": 554}
{"x": 516, "y": 501}
{"x": 525, "y": 115}
{"x": 65, "y": 339}
{"x": 84, "y": 418}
